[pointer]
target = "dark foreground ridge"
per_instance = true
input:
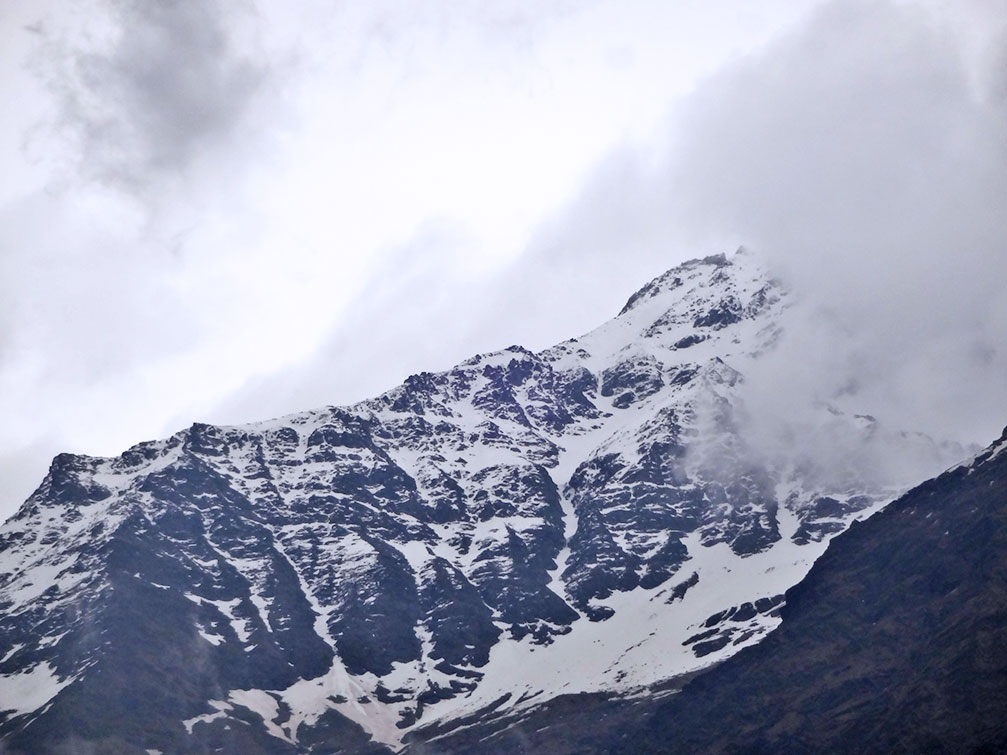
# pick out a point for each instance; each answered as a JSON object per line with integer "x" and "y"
{"x": 895, "y": 642}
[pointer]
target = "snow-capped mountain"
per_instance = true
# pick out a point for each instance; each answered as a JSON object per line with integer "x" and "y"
{"x": 468, "y": 546}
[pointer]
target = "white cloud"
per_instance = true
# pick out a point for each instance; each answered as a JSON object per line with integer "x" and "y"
{"x": 858, "y": 155}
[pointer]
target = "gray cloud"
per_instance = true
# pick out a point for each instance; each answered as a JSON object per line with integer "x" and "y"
{"x": 174, "y": 84}
{"x": 154, "y": 107}
{"x": 859, "y": 158}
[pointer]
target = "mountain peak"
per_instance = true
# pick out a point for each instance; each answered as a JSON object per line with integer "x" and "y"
{"x": 670, "y": 278}
{"x": 356, "y": 573}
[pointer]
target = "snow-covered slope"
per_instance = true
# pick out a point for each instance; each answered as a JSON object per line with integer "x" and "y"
{"x": 895, "y": 641}
{"x": 472, "y": 543}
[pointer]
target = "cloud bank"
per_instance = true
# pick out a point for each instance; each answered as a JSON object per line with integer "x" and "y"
{"x": 864, "y": 161}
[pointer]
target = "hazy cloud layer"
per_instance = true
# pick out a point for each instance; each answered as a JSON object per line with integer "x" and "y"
{"x": 860, "y": 158}
{"x": 154, "y": 87}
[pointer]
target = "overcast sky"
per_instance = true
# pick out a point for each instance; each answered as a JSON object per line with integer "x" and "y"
{"x": 224, "y": 211}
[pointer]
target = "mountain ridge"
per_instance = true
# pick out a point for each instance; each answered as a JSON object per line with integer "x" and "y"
{"x": 350, "y": 574}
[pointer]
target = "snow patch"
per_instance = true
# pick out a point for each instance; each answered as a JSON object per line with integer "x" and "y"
{"x": 27, "y": 691}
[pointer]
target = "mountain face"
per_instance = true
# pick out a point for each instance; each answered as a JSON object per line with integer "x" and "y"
{"x": 469, "y": 547}
{"x": 896, "y": 641}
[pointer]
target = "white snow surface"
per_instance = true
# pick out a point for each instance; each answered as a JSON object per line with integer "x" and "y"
{"x": 27, "y": 691}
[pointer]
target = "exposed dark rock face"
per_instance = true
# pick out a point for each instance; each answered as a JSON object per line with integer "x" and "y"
{"x": 720, "y": 315}
{"x": 632, "y": 379}
{"x": 327, "y": 581}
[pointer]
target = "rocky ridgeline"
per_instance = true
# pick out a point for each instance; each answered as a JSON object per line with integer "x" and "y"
{"x": 335, "y": 578}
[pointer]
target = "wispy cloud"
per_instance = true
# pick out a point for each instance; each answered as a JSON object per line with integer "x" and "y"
{"x": 860, "y": 157}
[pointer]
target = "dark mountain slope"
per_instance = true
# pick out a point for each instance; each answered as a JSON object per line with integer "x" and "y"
{"x": 895, "y": 642}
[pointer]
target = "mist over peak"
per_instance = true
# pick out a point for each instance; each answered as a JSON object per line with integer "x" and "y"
{"x": 862, "y": 158}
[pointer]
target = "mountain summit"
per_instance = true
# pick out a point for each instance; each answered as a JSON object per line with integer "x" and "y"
{"x": 465, "y": 548}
